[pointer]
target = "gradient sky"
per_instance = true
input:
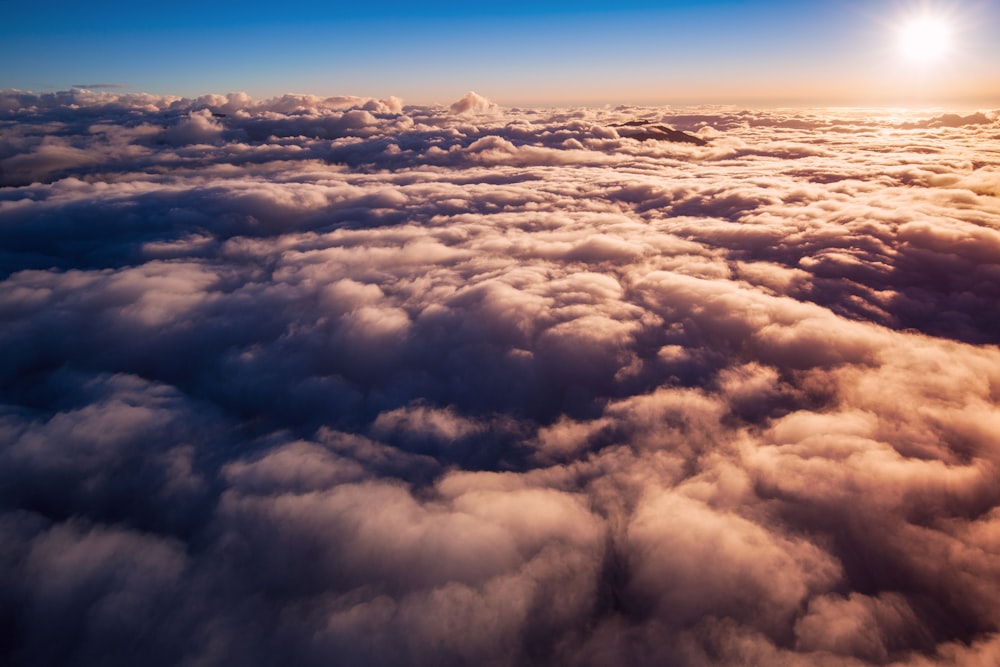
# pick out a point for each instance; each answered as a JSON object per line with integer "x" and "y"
{"x": 721, "y": 51}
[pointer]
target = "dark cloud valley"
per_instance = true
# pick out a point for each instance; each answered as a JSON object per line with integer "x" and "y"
{"x": 318, "y": 381}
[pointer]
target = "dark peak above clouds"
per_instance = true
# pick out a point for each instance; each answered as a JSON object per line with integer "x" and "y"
{"x": 642, "y": 130}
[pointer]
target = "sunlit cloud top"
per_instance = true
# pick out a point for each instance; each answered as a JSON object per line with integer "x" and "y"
{"x": 309, "y": 380}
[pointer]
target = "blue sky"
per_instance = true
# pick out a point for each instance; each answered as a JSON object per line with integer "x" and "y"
{"x": 513, "y": 52}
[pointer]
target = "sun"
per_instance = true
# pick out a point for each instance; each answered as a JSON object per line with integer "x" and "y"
{"x": 924, "y": 39}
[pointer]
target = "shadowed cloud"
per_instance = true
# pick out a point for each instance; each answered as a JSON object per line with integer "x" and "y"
{"x": 311, "y": 379}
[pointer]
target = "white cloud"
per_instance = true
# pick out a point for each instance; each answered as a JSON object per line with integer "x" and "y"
{"x": 424, "y": 385}
{"x": 472, "y": 102}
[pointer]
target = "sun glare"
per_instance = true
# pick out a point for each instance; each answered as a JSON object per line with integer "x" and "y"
{"x": 924, "y": 39}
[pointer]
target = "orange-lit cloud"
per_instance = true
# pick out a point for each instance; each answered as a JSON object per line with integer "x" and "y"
{"x": 405, "y": 385}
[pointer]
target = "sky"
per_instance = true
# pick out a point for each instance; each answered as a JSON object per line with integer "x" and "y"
{"x": 516, "y": 53}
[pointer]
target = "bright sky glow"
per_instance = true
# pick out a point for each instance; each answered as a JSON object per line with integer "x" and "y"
{"x": 517, "y": 53}
{"x": 925, "y": 39}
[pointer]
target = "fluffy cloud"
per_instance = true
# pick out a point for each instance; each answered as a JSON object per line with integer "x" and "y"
{"x": 472, "y": 102}
{"x": 308, "y": 377}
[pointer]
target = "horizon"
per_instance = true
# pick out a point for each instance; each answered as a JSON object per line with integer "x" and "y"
{"x": 112, "y": 91}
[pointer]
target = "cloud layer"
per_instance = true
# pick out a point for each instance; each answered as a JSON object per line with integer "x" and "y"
{"x": 312, "y": 380}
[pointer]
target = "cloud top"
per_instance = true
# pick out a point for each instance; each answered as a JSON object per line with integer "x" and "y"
{"x": 300, "y": 377}
{"x": 472, "y": 102}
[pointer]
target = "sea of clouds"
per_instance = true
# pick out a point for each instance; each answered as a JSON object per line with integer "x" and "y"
{"x": 339, "y": 381}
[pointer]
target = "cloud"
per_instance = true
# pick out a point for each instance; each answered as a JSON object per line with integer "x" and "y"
{"x": 92, "y": 86}
{"x": 313, "y": 376}
{"x": 197, "y": 127}
{"x": 472, "y": 103}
